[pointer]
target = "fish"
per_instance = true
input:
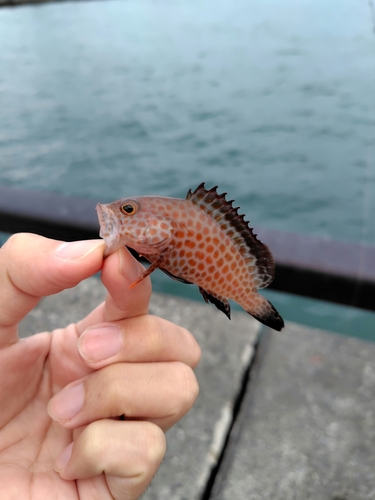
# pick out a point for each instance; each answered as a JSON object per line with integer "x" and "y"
{"x": 201, "y": 240}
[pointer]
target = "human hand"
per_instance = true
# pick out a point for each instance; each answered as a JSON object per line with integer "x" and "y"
{"x": 79, "y": 449}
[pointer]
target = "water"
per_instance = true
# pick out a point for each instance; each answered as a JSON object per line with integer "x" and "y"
{"x": 273, "y": 101}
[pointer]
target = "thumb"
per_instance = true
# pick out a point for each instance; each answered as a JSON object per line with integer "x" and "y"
{"x": 32, "y": 267}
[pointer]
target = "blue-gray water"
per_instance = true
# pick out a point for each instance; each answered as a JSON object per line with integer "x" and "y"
{"x": 273, "y": 101}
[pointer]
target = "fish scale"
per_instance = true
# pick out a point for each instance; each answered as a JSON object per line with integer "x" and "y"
{"x": 201, "y": 240}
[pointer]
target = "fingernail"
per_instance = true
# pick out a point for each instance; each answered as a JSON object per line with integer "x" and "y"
{"x": 78, "y": 249}
{"x": 63, "y": 459}
{"x": 101, "y": 342}
{"x": 67, "y": 403}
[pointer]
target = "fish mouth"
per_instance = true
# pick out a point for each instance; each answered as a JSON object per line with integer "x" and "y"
{"x": 109, "y": 229}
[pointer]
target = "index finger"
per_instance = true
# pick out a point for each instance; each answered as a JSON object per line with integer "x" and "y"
{"x": 119, "y": 271}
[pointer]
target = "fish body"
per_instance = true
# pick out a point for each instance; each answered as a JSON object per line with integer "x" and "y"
{"x": 201, "y": 240}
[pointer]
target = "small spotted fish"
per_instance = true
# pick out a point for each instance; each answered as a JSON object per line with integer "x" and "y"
{"x": 201, "y": 240}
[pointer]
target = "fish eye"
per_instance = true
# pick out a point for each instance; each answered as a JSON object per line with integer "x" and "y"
{"x": 128, "y": 209}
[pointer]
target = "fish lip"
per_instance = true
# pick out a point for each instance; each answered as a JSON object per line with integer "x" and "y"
{"x": 109, "y": 229}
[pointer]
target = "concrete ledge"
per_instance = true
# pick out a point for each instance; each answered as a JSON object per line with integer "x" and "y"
{"x": 306, "y": 430}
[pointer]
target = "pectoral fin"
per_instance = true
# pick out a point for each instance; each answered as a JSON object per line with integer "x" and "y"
{"x": 158, "y": 262}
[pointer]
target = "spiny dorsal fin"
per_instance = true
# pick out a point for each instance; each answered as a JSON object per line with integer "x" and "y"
{"x": 234, "y": 225}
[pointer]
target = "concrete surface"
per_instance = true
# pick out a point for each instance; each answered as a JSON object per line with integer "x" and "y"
{"x": 227, "y": 349}
{"x": 306, "y": 429}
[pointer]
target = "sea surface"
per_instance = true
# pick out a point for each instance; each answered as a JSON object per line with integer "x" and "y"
{"x": 272, "y": 101}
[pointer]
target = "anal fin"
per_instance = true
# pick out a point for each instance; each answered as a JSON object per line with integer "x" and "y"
{"x": 220, "y": 302}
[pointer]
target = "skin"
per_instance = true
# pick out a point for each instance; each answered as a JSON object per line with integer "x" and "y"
{"x": 61, "y": 392}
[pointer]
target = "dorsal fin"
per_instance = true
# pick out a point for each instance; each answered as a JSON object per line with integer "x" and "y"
{"x": 234, "y": 225}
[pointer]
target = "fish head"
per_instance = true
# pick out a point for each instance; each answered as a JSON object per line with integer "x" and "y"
{"x": 133, "y": 223}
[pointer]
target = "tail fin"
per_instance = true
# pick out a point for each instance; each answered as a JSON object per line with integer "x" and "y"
{"x": 267, "y": 314}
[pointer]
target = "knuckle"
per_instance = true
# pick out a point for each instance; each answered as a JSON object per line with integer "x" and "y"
{"x": 195, "y": 351}
{"x": 154, "y": 445}
{"x": 155, "y": 340}
{"x": 110, "y": 388}
{"x": 90, "y": 442}
{"x": 13, "y": 245}
{"x": 16, "y": 240}
{"x": 187, "y": 388}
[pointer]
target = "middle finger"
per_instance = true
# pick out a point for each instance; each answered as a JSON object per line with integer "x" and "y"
{"x": 159, "y": 392}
